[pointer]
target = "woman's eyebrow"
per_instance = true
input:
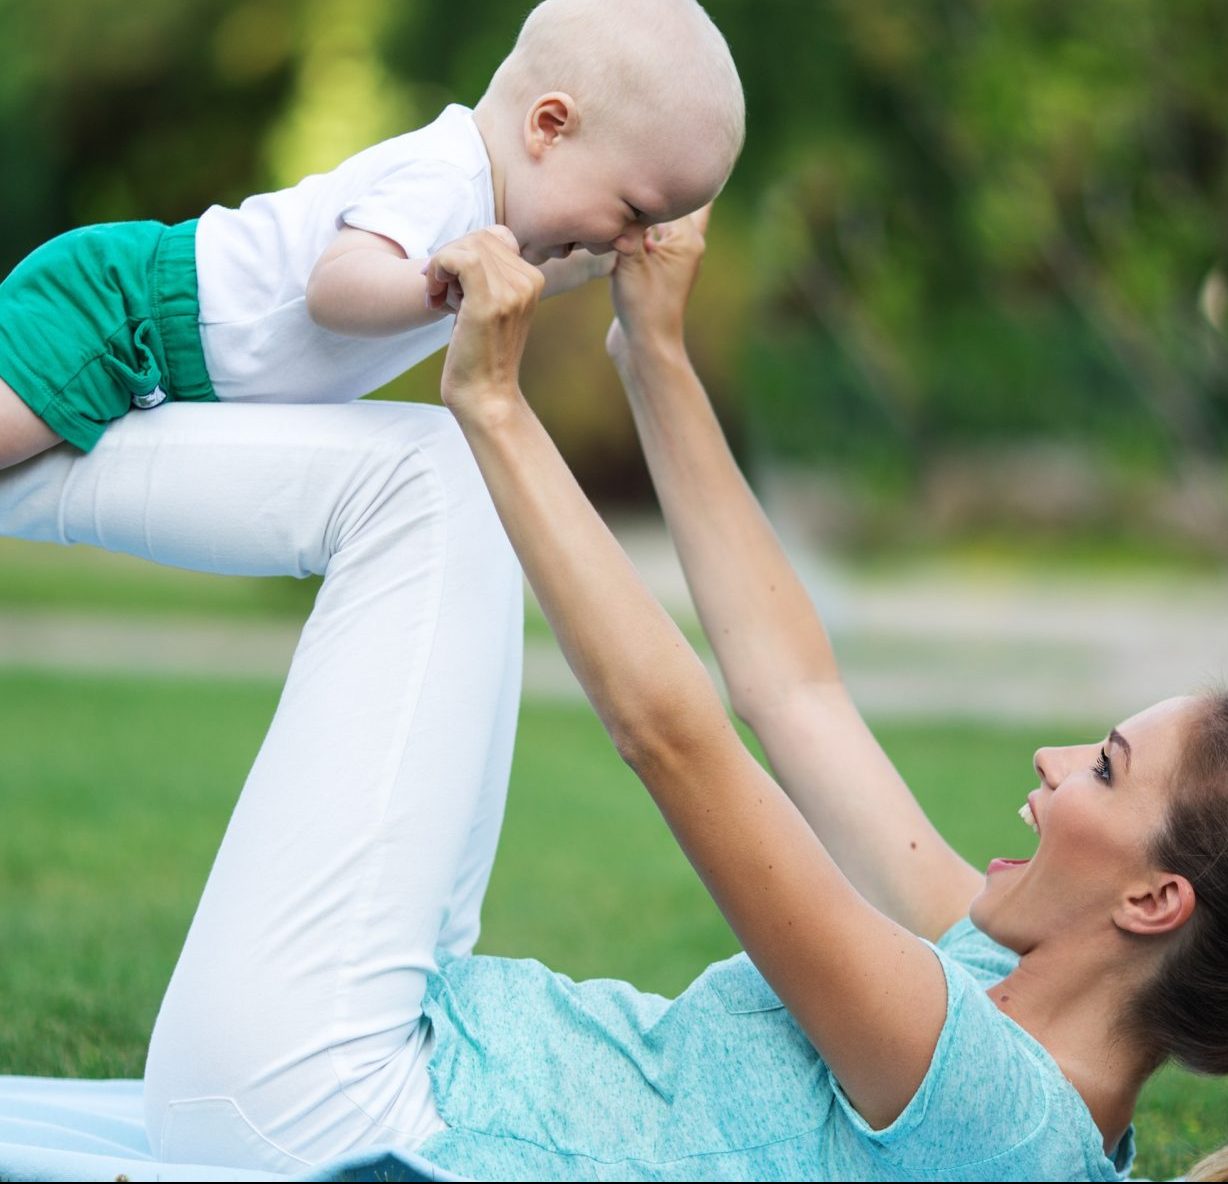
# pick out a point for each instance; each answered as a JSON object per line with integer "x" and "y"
{"x": 1115, "y": 737}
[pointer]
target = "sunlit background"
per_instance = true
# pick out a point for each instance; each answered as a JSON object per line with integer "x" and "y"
{"x": 964, "y": 314}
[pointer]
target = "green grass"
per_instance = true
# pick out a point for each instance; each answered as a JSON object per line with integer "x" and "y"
{"x": 87, "y": 580}
{"x": 117, "y": 792}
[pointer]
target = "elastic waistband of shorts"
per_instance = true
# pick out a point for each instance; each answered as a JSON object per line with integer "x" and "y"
{"x": 176, "y": 309}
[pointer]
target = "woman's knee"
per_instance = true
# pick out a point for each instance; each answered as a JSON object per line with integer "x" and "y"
{"x": 416, "y": 470}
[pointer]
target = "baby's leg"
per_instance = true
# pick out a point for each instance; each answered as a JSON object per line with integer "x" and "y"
{"x": 292, "y": 1030}
{"x": 22, "y": 433}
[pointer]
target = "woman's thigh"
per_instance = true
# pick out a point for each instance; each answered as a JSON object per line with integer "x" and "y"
{"x": 363, "y": 836}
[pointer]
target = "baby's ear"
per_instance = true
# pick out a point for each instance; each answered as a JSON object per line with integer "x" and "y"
{"x": 551, "y": 117}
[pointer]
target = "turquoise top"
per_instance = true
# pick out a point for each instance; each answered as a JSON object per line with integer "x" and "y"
{"x": 542, "y": 1078}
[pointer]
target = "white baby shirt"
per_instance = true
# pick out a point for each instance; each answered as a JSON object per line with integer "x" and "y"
{"x": 421, "y": 190}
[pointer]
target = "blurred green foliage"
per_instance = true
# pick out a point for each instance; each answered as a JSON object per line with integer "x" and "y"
{"x": 956, "y": 223}
{"x": 995, "y": 222}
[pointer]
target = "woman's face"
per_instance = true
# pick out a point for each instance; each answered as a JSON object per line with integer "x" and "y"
{"x": 1096, "y": 808}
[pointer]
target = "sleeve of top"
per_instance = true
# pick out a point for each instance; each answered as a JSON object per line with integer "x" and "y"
{"x": 420, "y": 207}
{"x": 982, "y": 1096}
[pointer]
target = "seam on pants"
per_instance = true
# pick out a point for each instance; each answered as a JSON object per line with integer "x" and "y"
{"x": 178, "y": 1107}
{"x": 391, "y": 773}
{"x": 507, "y": 660}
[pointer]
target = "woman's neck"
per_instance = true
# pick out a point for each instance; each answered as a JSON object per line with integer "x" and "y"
{"x": 1070, "y": 1000}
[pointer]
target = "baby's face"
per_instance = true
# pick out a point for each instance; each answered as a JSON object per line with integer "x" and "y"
{"x": 601, "y": 197}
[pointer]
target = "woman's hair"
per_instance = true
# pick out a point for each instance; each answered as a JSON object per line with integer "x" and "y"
{"x": 1183, "y": 1011}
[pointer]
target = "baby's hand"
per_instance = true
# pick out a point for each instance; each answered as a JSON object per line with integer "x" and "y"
{"x": 443, "y": 287}
{"x": 576, "y": 270}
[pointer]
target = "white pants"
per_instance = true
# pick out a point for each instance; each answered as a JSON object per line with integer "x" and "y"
{"x": 362, "y": 843}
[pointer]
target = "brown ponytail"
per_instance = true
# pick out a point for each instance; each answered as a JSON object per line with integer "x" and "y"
{"x": 1183, "y": 1013}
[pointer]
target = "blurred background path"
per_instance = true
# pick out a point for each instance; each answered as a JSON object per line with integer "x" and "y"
{"x": 920, "y": 642}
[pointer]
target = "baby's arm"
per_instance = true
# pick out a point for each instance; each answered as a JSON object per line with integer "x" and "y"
{"x": 364, "y": 286}
{"x": 562, "y": 275}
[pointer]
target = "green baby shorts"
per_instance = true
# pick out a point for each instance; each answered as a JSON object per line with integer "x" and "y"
{"x": 103, "y": 319}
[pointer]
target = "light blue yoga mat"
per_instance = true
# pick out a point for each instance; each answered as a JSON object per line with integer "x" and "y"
{"x": 57, "y": 1129}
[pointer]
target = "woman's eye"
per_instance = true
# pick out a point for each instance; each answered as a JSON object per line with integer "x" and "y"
{"x": 1102, "y": 768}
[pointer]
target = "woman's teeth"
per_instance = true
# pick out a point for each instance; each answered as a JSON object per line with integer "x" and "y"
{"x": 1025, "y": 812}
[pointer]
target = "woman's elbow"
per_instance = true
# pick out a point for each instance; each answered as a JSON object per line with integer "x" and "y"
{"x": 637, "y": 743}
{"x": 667, "y": 736}
{"x": 751, "y": 704}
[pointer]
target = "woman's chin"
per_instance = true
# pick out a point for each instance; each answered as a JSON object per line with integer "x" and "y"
{"x": 984, "y": 911}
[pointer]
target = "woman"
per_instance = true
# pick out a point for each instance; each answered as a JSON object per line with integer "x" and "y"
{"x": 326, "y": 998}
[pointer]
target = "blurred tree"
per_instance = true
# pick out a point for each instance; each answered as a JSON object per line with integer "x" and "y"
{"x": 1003, "y": 233}
{"x": 956, "y": 223}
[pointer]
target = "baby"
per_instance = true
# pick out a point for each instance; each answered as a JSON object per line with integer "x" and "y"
{"x": 605, "y": 119}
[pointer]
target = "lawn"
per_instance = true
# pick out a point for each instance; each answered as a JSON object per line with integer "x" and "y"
{"x": 116, "y": 792}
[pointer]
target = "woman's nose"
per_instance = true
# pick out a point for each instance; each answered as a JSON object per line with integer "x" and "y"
{"x": 1045, "y": 762}
{"x": 1054, "y": 765}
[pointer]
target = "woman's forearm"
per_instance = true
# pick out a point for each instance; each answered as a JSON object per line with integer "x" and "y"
{"x": 777, "y": 661}
{"x": 763, "y": 627}
{"x": 762, "y": 863}
{"x": 760, "y": 860}
{"x": 643, "y": 678}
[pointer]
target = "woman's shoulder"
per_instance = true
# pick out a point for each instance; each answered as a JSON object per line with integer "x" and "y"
{"x": 994, "y": 1100}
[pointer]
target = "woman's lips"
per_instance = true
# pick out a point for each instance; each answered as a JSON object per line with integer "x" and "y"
{"x": 998, "y": 865}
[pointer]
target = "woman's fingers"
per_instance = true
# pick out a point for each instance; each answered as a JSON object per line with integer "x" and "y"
{"x": 445, "y": 286}
{"x": 505, "y": 236}
{"x": 689, "y": 230}
{"x": 652, "y": 287}
{"x": 437, "y": 284}
{"x": 499, "y": 292}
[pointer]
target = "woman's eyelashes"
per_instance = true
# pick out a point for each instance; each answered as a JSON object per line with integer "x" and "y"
{"x": 1103, "y": 768}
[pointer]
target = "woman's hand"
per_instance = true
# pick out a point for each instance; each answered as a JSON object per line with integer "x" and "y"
{"x": 651, "y": 288}
{"x": 496, "y": 293}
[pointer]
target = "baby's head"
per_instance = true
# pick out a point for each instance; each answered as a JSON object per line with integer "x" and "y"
{"x": 609, "y": 116}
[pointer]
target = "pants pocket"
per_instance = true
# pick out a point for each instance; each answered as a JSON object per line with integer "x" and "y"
{"x": 143, "y": 383}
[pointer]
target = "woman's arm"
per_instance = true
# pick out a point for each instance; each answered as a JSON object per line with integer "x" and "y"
{"x": 773, "y": 651}
{"x": 869, "y": 995}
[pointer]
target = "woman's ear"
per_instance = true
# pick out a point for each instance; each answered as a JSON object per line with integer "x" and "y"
{"x": 1160, "y": 907}
{"x": 551, "y": 117}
